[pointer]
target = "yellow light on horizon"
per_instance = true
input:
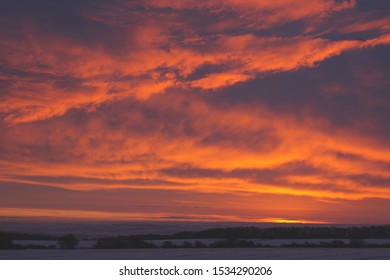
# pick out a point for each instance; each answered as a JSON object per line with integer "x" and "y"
{"x": 291, "y": 221}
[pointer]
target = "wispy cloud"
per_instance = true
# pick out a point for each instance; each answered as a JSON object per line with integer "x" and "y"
{"x": 284, "y": 100}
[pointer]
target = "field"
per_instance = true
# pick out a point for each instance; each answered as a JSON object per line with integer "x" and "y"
{"x": 271, "y": 249}
{"x": 203, "y": 254}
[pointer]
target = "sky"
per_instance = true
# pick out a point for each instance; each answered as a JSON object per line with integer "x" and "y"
{"x": 194, "y": 110}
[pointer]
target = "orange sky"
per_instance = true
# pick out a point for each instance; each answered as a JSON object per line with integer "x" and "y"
{"x": 195, "y": 110}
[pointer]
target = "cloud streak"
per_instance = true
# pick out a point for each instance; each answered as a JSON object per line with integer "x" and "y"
{"x": 45, "y": 74}
{"x": 286, "y": 101}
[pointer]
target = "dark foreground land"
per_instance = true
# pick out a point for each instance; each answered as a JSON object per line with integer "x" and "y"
{"x": 242, "y": 242}
{"x": 202, "y": 254}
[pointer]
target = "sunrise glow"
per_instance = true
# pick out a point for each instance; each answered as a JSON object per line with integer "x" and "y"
{"x": 225, "y": 110}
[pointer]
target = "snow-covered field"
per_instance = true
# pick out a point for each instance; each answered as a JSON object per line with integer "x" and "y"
{"x": 83, "y": 244}
{"x": 203, "y": 254}
{"x": 93, "y": 231}
{"x": 88, "y": 244}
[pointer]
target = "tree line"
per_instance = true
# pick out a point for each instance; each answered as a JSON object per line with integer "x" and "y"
{"x": 306, "y": 232}
{"x": 226, "y": 237}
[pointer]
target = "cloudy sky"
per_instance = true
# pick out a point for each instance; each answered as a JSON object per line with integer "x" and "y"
{"x": 239, "y": 110}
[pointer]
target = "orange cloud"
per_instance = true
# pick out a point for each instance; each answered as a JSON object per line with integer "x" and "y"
{"x": 63, "y": 73}
{"x": 160, "y": 100}
{"x": 219, "y": 80}
{"x": 100, "y": 78}
{"x": 29, "y": 213}
{"x": 111, "y": 216}
{"x": 131, "y": 155}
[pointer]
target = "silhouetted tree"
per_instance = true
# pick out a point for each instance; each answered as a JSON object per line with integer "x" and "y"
{"x": 357, "y": 242}
{"x": 120, "y": 243}
{"x": 6, "y": 241}
{"x": 68, "y": 241}
{"x": 168, "y": 244}
{"x": 199, "y": 244}
{"x": 187, "y": 244}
